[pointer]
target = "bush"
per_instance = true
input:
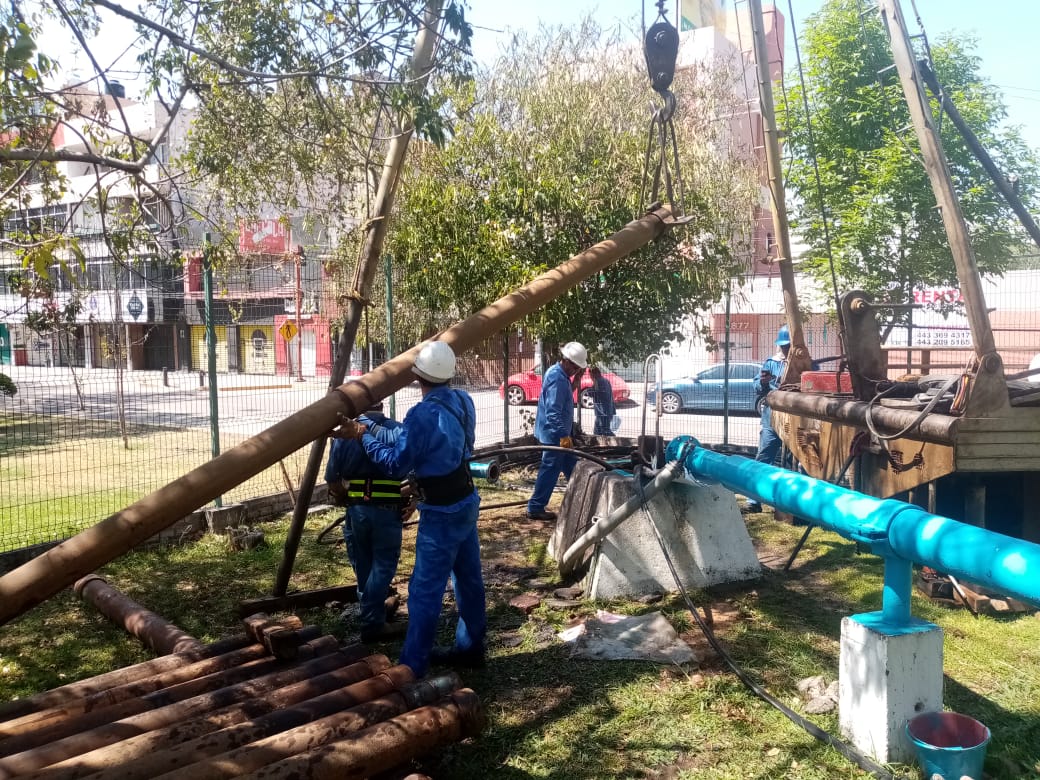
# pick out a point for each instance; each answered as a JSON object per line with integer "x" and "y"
{"x": 7, "y": 386}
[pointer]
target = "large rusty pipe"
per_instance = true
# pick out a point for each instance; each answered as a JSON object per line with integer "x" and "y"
{"x": 45, "y": 575}
{"x": 385, "y": 745}
{"x": 81, "y": 688}
{"x": 188, "y": 689}
{"x": 149, "y": 693}
{"x": 110, "y": 733}
{"x": 255, "y": 756}
{"x": 153, "y": 630}
{"x": 115, "y": 703}
{"x": 935, "y": 428}
{"x": 165, "y": 750}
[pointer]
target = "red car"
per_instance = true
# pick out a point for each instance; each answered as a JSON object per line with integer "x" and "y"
{"x": 527, "y": 386}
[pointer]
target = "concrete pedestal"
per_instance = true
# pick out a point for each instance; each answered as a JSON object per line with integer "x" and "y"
{"x": 702, "y": 529}
{"x": 887, "y": 675}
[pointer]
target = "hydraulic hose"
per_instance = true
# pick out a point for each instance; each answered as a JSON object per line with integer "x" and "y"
{"x": 547, "y": 448}
{"x": 864, "y": 762}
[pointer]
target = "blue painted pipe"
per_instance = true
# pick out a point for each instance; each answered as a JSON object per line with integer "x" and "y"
{"x": 897, "y": 531}
{"x": 488, "y": 471}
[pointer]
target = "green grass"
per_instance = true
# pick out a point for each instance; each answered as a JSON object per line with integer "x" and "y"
{"x": 59, "y": 475}
{"x": 555, "y": 717}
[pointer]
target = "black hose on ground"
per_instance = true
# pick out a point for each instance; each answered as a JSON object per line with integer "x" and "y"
{"x": 546, "y": 448}
{"x": 864, "y": 762}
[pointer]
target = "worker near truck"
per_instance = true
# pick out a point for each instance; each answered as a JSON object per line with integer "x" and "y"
{"x": 435, "y": 445}
{"x": 553, "y": 425}
{"x": 769, "y": 379}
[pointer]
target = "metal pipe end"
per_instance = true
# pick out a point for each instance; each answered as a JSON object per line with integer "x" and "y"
{"x": 82, "y": 583}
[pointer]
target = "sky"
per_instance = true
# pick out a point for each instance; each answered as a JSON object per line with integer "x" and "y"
{"x": 1006, "y": 31}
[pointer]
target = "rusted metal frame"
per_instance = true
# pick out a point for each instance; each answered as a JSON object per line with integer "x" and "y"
{"x": 989, "y": 392}
{"x": 152, "y": 629}
{"x": 798, "y": 359}
{"x": 299, "y": 600}
{"x": 167, "y": 750}
{"x": 110, "y": 733}
{"x": 57, "y": 696}
{"x": 47, "y": 574}
{"x": 309, "y": 736}
{"x": 939, "y": 429}
{"x": 148, "y": 755}
{"x": 387, "y": 744}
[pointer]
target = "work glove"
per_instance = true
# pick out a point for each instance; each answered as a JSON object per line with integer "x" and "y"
{"x": 338, "y": 492}
{"x": 349, "y": 429}
{"x": 567, "y": 442}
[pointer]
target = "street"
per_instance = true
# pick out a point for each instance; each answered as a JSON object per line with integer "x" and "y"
{"x": 248, "y": 404}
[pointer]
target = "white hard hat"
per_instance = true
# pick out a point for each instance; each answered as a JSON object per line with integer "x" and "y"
{"x": 575, "y": 353}
{"x": 435, "y": 362}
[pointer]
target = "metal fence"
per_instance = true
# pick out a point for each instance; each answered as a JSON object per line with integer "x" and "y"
{"x": 79, "y": 443}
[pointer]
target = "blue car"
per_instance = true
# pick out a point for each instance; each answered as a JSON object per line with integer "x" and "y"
{"x": 705, "y": 389}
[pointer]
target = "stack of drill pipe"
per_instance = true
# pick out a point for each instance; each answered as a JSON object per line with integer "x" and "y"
{"x": 373, "y": 704}
{"x": 384, "y": 745}
{"x": 77, "y": 690}
{"x": 148, "y": 693}
{"x": 153, "y": 630}
{"x": 377, "y": 723}
{"x": 151, "y": 754}
{"x": 33, "y": 750}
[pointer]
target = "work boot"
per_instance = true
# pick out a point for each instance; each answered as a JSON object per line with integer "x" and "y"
{"x": 392, "y": 604}
{"x": 383, "y": 633}
{"x": 543, "y": 514}
{"x": 473, "y": 658}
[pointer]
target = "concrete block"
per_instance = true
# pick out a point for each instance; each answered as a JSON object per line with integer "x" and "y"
{"x": 219, "y": 520}
{"x": 887, "y": 675}
{"x": 702, "y": 529}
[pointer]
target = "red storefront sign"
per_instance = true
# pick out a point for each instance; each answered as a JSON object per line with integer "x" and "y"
{"x": 269, "y": 236}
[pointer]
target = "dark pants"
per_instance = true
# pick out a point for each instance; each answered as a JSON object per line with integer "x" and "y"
{"x": 373, "y": 537}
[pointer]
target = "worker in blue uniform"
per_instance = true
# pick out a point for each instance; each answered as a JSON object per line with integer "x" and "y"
{"x": 435, "y": 444}
{"x": 769, "y": 379}
{"x": 553, "y": 424}
{"x": 372, "y": 523}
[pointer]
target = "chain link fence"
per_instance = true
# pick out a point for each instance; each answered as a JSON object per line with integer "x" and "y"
{"x": 84, "y": 436}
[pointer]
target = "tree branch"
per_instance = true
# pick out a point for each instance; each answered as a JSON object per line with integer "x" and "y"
{"x": 62, "y": 155}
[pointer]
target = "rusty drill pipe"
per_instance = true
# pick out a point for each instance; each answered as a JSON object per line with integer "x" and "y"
{"x": 153, "y": 630}
{"x": 45, "y": 725}
{"x": 165, "y": 750}
{"x": 149, "y": 693}
{"x": 60, "y": 723}
{"x": 309, "y": 735}
{"x": 110, "y": 733}
{"x": 77, "y": 690}
{"x": 43, "y": 576}
{"x": 385, "y": 745}
{"x": 149, "y": 754}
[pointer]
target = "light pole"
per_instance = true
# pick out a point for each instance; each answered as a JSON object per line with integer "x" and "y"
{"x": 298, "y": 262}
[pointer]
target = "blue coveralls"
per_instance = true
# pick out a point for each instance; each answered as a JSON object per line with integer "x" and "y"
{"x": 604, "y": 409}
{"x": 438, "y": 435}
{"x": 768, "y": 441}
{"x": 372, "y": 531}
{"x": 554, "y": 420}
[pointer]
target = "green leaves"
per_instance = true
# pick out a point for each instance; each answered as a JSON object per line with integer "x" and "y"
{"x": 546, "y": 161}
{"x": 887, "y": 235}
